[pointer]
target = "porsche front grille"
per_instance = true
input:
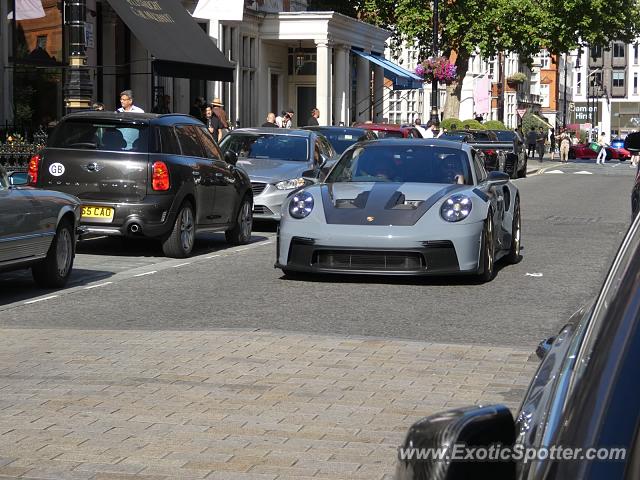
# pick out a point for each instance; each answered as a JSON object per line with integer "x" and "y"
{"x": 369, "y": 260}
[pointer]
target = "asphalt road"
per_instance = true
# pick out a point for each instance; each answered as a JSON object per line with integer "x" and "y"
{"x": 573, "y": 222}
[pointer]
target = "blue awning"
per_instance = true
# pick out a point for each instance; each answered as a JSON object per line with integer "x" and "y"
{"x": 402, "y": 78}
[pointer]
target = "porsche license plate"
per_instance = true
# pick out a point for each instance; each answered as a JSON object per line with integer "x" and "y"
{"x": 97, "y": 214}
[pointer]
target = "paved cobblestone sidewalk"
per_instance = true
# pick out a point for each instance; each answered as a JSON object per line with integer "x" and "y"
{"x": 229, "y": 404}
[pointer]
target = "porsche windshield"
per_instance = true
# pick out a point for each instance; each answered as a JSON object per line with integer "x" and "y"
{"x": 270, "y": 146}
{"x": 400, "y": 163}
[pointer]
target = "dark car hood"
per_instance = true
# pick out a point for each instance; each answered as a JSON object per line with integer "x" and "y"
{"x": 370, "y": 203}
{"x": 270, "y": 171}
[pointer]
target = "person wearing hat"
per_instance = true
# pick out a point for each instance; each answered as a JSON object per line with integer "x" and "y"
{"x": 218, "y": 111}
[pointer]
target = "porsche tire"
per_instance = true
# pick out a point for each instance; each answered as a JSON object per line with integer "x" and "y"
{"x": 514, "y": 256}
{"x": 487, "y": 252}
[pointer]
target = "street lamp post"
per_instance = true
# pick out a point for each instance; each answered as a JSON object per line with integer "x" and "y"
{"x": 78, "y": 89}
{"x": 434, "y": 84}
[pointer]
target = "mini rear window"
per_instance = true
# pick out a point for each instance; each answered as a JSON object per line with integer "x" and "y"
{"x": 116, "y": 137}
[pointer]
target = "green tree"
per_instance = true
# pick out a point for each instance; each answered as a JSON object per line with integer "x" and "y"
{"x": 492, "y": 26}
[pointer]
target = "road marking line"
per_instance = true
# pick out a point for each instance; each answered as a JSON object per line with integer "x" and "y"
{"x": 181, "y": 264}
{"x": 213, "y": 256}
{"x": 40, "y": 299}
{"x": 533, "y": 274}
{"x": 99, "y": 285}
{"x": 146, "y": 273}
{"x": 554, "y": 171}
{"x": 583, "y": 172}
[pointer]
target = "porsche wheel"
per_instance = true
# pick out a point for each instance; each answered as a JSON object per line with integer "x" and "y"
{"x": 487, "y": 271}
{"x": 516, "y": 235}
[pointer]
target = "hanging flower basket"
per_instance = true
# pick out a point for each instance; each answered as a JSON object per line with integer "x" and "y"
{"x": 516, "y": 78}
{"x": 438, "y": 68}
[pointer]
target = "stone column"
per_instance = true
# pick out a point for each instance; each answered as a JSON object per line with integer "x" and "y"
{"x": 108, "y": 95}
{"x": 378, "y": 93}
{"x": 341, "y": 77}
{"x": 323, "y": 82}
{"x": 363, "y": 90}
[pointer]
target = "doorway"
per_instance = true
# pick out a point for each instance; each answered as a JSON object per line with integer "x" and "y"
{"x": 306, "y": 100}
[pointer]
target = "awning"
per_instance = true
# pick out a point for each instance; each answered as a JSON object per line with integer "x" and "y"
{"x": 179, "y": 46}
{"x": 543, "y": 121}
{"x": 402, "y": 79}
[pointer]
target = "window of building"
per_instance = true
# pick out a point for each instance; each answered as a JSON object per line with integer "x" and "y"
{"x": 635, "y": 54}
{"x": 596, "y": 52}
{"x": 579, "y": 83}
{"x": 41, "y": 42}
{"x": 635, "y": 83}
{"x": 618, "y": 79}
{"x": 544, "y": 94}
{"x": 544, "y": 59}
{"x": 618, "y": 50}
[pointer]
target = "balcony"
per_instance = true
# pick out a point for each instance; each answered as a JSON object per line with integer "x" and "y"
{"x": 529, "y": 99}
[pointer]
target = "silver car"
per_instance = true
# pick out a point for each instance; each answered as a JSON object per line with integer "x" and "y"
{"x": 278, "y": 161}
{"x": 403, "y": 207}
{"x": 37, "y": 231}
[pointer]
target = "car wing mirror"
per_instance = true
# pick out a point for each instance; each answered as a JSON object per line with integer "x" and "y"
{"x": 497, "y": 178}
{"x": 544, "y": 346}
{"x": 18, "y": 178}
{"x": 230, "y": 157}
{"x": 458, "y": 431}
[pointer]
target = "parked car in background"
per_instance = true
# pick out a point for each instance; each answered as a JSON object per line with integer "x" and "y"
{"x": 342, "y": 138}
{"x": 138, "y": 174}
{"x": 516, "y": 161}
{"x": 585, "y": 397}
{"x": 583, "y": 151}
{"x": 38, "y": 230}
{"x": 391, "y": 130}
{"x": 497, "y": 154}
{"x": 278, "y": 161}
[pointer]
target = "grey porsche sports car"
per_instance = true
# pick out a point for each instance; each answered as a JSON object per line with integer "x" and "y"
{"x": 403, "y": 207}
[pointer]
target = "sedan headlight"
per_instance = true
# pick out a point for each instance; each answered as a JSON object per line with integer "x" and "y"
{"x": 456, "y": 208}
{"x": 301, "y": 205}
{"x": 291, "y": 184}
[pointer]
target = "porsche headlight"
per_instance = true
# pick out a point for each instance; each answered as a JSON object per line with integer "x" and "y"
{"x": 291, "y": 184}
{"x": 301, "y": 204}
{"x": 456, "y": 208}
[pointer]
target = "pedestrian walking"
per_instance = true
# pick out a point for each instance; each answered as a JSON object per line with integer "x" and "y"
{"x": 213, "y": 123}
{"x": 531, "y": 143}
{"x": 565, "y": 145}
{"x": 162, "y": 106}
{"x": 552, "y": 144}
{"x": 126, "y": 102}
{"x": 540, "y": 142}
{"x": 313, "y": 119}
{"x": 98, "y": 107}
{"x": 271, "y": 121}
{"x": 602, "y": 153}
{"x": 218, "y": 111}
{"x": 429, "y": 133}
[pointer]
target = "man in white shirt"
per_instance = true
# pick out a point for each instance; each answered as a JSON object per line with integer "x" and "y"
{"x": 420, "y": 128}
{"x": 126, "y": 100}
{"x": 429, "y": 131}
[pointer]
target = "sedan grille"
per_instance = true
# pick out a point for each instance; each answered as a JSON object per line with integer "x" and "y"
{"x": 369, "y": 260}
{"x": 257, "y": 188}
{"x": 261, "y": 210}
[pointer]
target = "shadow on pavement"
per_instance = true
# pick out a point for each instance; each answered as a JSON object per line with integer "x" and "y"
{"x": 18, "y": 285}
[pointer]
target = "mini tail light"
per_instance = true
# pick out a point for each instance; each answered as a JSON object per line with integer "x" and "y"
{"x": 160, "y": 176}
{"x": 489, "y": 152}
{"x": 32, "y": 172}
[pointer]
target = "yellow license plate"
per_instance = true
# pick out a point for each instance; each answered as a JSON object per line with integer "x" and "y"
{"x": 101, "y": 213}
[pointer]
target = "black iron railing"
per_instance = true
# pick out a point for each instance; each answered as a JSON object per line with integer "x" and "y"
{"x": 15, "y": 152}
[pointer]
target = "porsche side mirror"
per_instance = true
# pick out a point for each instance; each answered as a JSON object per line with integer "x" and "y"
{"x": 497, "y": 178}
{"x": 457, "y": 432}
{"x": 230, "y": 157}
{"x": 544, "y": 346}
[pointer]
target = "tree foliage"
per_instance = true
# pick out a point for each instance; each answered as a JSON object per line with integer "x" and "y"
{"x": 491, "y": 26}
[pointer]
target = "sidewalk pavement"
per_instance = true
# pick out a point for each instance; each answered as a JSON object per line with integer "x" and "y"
{"x": 230, "y": 404}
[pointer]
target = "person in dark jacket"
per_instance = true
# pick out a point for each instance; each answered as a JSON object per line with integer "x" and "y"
{"x": 540, "y": 143}
{"x": 532, "y": 136}
{"x": 313, "y": 119}
{"x": 271, "y": 121}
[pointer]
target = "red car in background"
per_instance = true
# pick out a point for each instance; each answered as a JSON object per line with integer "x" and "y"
{"x": 391, "y": 130}
{"x": 582, "y": 150}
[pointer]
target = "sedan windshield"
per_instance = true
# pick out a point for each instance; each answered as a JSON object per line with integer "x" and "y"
{"x": 343, "y": 139}
{"x": 267, "y": 146}
{"x": 399, "y": 163}
{"x": 505, "y": 135}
